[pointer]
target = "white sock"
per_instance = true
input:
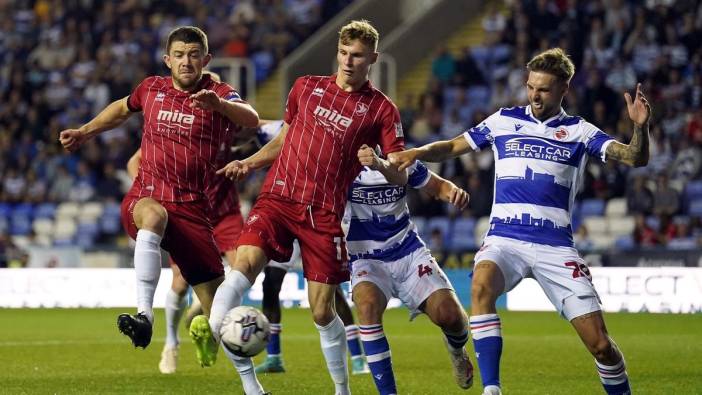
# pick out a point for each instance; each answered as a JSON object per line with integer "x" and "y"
{"x": 147, "y": 265}
{"x": 229, "y": 295}
{"x": 175, "y": 306}
{"x": 246, "y": 371}
{"x": 333, "y": 339}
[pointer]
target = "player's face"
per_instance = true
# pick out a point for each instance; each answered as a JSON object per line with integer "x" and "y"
{"x": 545, "y": 92}
{"x": 355, "y": 59}
{"x": 186, "y": 62}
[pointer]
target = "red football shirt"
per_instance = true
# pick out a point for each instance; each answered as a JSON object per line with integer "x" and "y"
{"x": 181, "y": 146}
{"x": 318, "y": 160}
{"x": 221, "y": 192}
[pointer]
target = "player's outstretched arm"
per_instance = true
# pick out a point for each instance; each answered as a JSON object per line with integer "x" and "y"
{"x": 368, "y": 157}
{"x": 112, "y": 116}
{"x": 133, "y": 164}
{"x": 239, "y": 112}
{"x": 437, "y": 151}
{"x": 443, "y": 189}
{"x": 636, "y": 153}
{"x": 239, "y": 169}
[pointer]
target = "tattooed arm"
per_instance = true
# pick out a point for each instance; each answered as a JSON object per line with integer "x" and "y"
{"x": 636, "y": 153}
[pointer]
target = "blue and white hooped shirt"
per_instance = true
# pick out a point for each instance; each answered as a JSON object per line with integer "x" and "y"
{"x": 538, "y": 170}
{"x": 378, "y": 217}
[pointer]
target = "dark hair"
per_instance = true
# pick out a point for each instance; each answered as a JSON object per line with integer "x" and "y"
{"x": 187, "y": 34}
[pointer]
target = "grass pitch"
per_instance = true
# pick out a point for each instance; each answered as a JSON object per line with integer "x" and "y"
{"x": 79, "y": 351}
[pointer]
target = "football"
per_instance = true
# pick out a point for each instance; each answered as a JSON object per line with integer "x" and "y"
{"x": 245, "y": 331}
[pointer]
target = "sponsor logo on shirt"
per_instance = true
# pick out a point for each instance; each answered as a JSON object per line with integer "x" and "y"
{"x": 176, "y": 117}
{"x": 517, "y": 127}
{"x": 398, "y": 130}
{"x": 532, "y": 147}
{"x": 330, "y": 119}
{"x": 318, "y": 92}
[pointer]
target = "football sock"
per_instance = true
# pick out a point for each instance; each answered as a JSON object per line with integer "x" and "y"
{"x": 456, "y": 340}
{"x": 147, "y": 265}
{"x": 273, "y": 347}
{"x": 353, "y": 341}
{"x": 487, "y": 341}
{"x": 246, "y": 371}
{"x": 332, "y": 338}
{"x": 175, "y": 306}
{"x": 614, "y": 378}
{"x": 229, "y": 295}
{"x": 379, "y": 358}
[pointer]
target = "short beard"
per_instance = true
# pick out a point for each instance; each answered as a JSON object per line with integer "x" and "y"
{"x": 183, "y": 86}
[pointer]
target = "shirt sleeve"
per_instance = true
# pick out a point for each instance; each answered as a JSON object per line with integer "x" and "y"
{"x": 228, "y": 93}
{"x": 418, "y": 175}
{"x": 291, "y": 104}
{"x": 596, "y": 141}
{"x": 392, "y": 138}
{"x": 135, "y": 101}
{"x": 482, "y": 136}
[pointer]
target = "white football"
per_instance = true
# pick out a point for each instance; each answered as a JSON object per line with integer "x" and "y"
{"x": 245, "y": 331}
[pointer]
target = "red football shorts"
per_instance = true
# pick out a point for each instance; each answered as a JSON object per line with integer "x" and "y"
{"x": 274, "y": 223}
{"x": 188, "y": 238}
{"x": 227, "y": 230}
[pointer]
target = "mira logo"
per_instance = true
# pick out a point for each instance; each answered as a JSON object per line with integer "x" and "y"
{"x": 176, "y": 116}
{"x": 330, "y": 118}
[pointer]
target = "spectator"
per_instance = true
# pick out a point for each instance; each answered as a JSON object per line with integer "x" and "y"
{"x": 639, "y": 199}
{"x": 666, "y": 200}
{"x": 644, "y": 235}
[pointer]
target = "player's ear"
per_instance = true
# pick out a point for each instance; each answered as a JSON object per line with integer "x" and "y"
{"x": 207, "y": 59}
{"x": 374, "y": 57}
{"x": 167, "y": 60}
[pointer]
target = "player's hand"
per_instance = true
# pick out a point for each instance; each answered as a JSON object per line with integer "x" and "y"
{"x": 368, "y": 157}
{"x": 205, "y": 100}
{"x": 72, "y": 139}
{"x": 639, "y": 109}
{"x": 456, "y": 196}
{"x": 235, "y": 170}
{"x": 403, "y": 159}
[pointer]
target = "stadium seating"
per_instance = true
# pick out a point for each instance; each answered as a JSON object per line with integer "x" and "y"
{"x": 592, "y": 207}
{"x": 462, "y": 236}
{"x": 616, "y": 207}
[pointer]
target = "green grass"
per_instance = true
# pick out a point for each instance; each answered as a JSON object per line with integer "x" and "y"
{"x": 79, "y": 351}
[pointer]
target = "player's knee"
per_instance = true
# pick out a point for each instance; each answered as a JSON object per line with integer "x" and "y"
{"x": 323, "y": 314}
{"x": 368, "y": 311}
{"x": 602, "y": 348}
{"x": 450, "y": 316}
{"x": 153, "y": 217}
{"x": 482, "y": 294}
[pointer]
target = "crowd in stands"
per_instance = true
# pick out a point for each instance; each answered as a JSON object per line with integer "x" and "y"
{"x": 613, "y": 44}
{"x": 65, "y": 61}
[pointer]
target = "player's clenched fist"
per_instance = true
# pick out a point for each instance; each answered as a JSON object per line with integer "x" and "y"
{"x": 235, "y": 170}
{"x": 403, "y": 159}
{"x": 71, "y": 139}
{"x": 368, "y": 157}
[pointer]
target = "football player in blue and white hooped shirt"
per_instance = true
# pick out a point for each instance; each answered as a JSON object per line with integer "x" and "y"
{"x": 540, "y": 154}
{"x": 388, "y": 259}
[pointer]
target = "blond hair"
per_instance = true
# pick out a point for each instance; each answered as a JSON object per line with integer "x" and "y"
{"x": 553, "y": 61}
{"x": 359, "y": 30}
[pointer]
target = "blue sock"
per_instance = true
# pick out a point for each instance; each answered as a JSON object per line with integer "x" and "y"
{"x": 379, "y": 359}
{"x": 614, "y": 378}
{"x": 273, "y": 347}
{"x": 487, "y": 341}
{"x": 353, "y": 340}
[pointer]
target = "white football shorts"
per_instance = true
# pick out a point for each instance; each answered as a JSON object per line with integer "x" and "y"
{"x": 561, "y": 273}
{"x": 411, "y": 278}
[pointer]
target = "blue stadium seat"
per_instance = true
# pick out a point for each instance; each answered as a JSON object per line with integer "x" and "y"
{"x": 110, "y": 225}
{"x": 463, "y": 234}
{"x": 592, "y": 207}
{"x": 695, "y": 207}
{"x": 4, "y": 224}
{"x": 625, "y": 243}
{"x": 441, "y": 223}
{"x": 5, "y": 210}
{"x": 421, "y": 224}
{"x": 88, "y": 228}
{"x": 45, "y": 210}
{"x": 693, "y": 190}
{"x": 112, "y": 209}
{"x": 20, "y": 224}
{"x": 23, "y": 210}
{"x": 85, "y": 240}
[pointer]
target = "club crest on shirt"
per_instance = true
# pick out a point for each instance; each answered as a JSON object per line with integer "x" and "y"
{"x": 560, "y": 134}
{"x": 252, "y": 219}
{"x": 361, "y": 109}
{"x": 160, "y": 96}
